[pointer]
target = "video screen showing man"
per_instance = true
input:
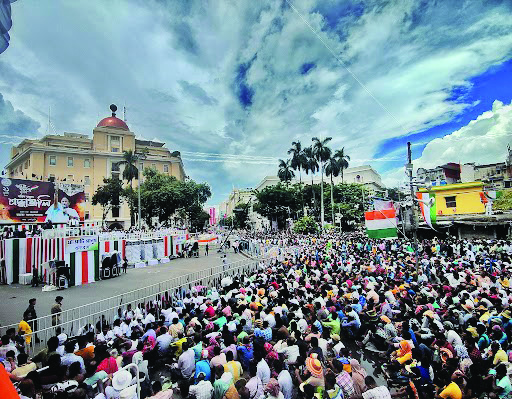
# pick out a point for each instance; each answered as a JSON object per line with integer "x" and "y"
{"x": 61, "y": 212}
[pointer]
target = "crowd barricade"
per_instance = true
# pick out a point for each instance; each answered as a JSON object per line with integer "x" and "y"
{"x": 71, "y": 320}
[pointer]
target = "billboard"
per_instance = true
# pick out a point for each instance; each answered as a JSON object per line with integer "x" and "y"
{"x": 31, "y": 201}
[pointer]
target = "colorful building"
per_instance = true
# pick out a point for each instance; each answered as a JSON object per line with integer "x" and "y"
{"x": 457, "y": 199}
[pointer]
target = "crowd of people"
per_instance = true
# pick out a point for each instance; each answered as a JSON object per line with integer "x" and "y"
{"x": 332, "y": 316}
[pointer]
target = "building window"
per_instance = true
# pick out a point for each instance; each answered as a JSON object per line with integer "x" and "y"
{"x": 70, "y": 161}
{"x": 53, "y": 160}
{"x": 87, "y": 216}
{"x": 87, "y": 163}
{"x": 358, "y": 178}
{"x": 115, "y": 167}
{"x": 87, "y": 180}
{"x": 166, "y": 168}
{"x": 87, "y": 197}
{"x": 26, "y": 164}
{"x": 115, "y": 143}
{"x": 115, "y": 149}
{"x": 142, "y": 166}
{"x": 451, "y": 202}
{"x": 507, "y": 184}
{"x": 115, "y": 211}
{"x": 51, "y": 178}
{"x": 153, "y": 165}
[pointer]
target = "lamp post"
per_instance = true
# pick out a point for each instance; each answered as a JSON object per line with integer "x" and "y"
{"x": 409, "y": 169}
{"x": 140, "y": 157}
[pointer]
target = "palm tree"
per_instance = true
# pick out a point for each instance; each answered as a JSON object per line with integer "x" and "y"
{"x": 310, "y": 165}
{"x": 332, "y": 168}
{"x": 297, "y": 163}
{"x": 322, "y": 153}
{"x": 130, "y": 172}
{"x": 342, "y": 160}
{"x": 285, "y": 172}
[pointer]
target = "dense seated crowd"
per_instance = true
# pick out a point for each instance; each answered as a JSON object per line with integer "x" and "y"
{"x": 436, "y": 327}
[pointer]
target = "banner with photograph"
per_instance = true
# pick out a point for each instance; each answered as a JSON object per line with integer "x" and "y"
{"x": 31, "y": 201}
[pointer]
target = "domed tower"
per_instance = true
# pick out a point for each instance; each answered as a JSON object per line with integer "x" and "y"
{"x": 113, "y": 134}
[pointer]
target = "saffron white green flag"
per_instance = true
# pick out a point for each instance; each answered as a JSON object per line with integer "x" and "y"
{"x": 381, "y": 223}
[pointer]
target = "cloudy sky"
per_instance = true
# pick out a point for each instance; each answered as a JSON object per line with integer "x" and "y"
{"x": 246, "y": 78}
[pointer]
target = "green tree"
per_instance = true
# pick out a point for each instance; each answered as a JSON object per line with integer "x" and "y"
{"x": 305, "y": 225}
{"x": 310, "y": 165}
{"x": 342, "y": 159}
{"x": 503, "y": 203}
{"x": 298, "y": 162}
{"x": 108, "y": 196}
{"x": 285, "y": 172}
{"x": 351, "y": 200}
{"x": 332, "y": 169}
{"x": 130, "y": 172}
{"x": 241, "y": 213}
{"x": 322, "y": 153}
{"x": 277, "y": 203}
{"x": 164, "y": 196}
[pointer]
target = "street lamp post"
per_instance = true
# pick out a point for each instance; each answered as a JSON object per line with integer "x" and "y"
{"x": 409, "y": 168}
{"x": 141, "y": 157}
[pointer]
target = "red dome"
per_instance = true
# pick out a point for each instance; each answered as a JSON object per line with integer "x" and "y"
{"x": 112, "y": 121}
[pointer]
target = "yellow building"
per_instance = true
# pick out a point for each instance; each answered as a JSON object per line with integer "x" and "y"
{"x": 79, "y": 159}
{"x": 458, "y": 198}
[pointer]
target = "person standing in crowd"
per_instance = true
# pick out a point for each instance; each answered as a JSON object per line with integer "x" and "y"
{"x": 206, "y": 250}
{"x": 56, "y": 311}
{"x": 30, "y": 316}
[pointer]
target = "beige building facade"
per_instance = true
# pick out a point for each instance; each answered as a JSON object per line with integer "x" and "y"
{"x": 76, "y": 158}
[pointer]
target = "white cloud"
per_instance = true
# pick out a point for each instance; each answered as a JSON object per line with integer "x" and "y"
{"x": 483, "y": 140}
{"x": 80, "y": 57}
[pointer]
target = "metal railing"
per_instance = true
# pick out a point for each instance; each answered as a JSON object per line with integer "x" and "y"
{"x": 71, "y": 320}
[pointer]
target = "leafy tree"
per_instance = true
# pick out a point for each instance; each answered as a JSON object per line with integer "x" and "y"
{"x": 107, "y": 196}
{"x": 394, "y": 194}
{"x": 241, "y": 213}
{"x": 503, "y": 203}
{"x": 305, "y": 225}
{"x": 226, "y": 221}
{"x": 163, "y": 196}
{"x": 197, "y": 217}
{"x": 322, "y": 153}
{"x": 285, "y": 172}
{"x": 277, "y": 203}
{"x": 348, "y": 200}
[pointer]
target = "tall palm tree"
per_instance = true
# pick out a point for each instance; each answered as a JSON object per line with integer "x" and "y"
{"x": 297, "y": 163}
{"x": 322, "y": 153}
{"x": 342, "y": 160}
{"x": 285, "y": 172}
{"x": 310, "y": 165}
{"x": 130, "y": 172}
{"x": 332, "y": 169}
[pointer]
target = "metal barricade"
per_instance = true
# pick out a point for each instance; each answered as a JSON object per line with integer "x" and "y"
{"x": 72, "y": 320}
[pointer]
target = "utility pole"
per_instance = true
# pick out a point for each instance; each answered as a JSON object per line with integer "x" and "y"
{"x": 141, "y": 157}
{"x": 409, "y": 168}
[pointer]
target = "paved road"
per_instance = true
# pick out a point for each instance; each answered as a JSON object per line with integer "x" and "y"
{"x": 14, "y": 298}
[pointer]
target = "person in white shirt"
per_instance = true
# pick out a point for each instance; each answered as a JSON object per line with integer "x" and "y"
{"x": 285, "y": 380}
{"x": 263, "y": 371}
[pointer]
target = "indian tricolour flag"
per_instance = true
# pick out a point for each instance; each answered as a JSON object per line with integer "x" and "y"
{"x": 381, "y": 223}
{"x": 427, "y": 203}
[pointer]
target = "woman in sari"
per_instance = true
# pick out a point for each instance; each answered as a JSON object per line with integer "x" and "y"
{"x": 358, "y": 376}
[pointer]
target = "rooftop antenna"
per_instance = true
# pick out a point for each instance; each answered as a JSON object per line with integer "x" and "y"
{"x": 49, "y": 117}
{"x": 124, "y": 112}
